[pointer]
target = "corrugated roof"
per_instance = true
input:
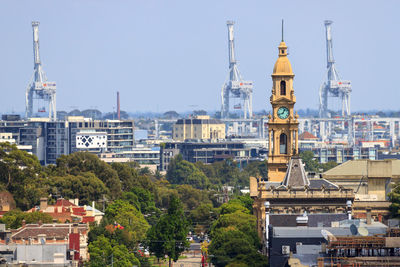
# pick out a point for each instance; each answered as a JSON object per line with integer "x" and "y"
{"x": 315, "y": 232}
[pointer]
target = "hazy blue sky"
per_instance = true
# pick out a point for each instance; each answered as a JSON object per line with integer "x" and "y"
{"x": 172, "y": 55}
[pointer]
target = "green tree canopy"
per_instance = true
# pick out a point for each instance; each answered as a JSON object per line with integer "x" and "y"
{"x": 233, "y": 206}
{"x": 394, "y": 197}
{"x": 86, "y": 186}
{"x": 234, "y": 239}
{"x": 230, "y": 245}
{"x": 192, "y": 197}
{"x": 79, "y": 162}
{"x": 103, "y": 252}
{"x": 127, "y": 215}
{"x": 20, "y": 174}
{"x": 168, "y": 236}
{"x": 202, "y": 217}
{"x": 312, "y": 165}
{"x": 13, "y": 219}
{"x": 183, "y": 172}
{"x": 131, "y": 178}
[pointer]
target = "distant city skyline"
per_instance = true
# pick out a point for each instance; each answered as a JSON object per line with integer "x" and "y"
{"x": 173, "y": 55}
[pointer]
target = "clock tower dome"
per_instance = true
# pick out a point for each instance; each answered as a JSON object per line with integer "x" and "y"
{"x": 282, "y": 123}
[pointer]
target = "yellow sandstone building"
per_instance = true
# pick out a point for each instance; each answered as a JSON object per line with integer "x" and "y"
{"x": 289, "y": 194}
{"x": 283, "y": 123}
{"x": 199, "y": 127}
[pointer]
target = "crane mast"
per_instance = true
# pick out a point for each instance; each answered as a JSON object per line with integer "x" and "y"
{"x": 235, "y": 86}
{"x": 39, "y": 88}
{"x": 333, "y": 87}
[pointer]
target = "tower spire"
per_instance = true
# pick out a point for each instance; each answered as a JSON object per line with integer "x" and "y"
{"x": 282, "y": 30}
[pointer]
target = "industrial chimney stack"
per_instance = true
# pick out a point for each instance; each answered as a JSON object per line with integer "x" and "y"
{"x": 118, "y": 107}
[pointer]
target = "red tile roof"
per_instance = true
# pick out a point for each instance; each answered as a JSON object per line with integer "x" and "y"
{"x": 307, "y": 136}
{"x": 58, "y": 231}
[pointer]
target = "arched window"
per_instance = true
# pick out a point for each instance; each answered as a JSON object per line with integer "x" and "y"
{"x": 283, "y": 144}
{"x": 283, "y": 88}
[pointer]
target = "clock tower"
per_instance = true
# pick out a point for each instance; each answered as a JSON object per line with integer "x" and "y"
{"x": 282, "y": 123}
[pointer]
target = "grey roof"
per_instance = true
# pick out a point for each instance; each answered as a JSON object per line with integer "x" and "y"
{"x": 274, "y": 184}
{"x": 319, "y": 183}
{"x": 295, "y": 174}
{"x": 199, "y": 121}
{"x": 315, "y": 232}
{"x": 308, "y": 249}
{"x": 314, "y": 219}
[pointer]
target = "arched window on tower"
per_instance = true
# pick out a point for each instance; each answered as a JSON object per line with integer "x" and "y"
{"x": 283, "y": 88}
{"x": 283, "y": 144}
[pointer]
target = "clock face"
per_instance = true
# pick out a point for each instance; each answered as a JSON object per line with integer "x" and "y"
{"x": 283, "y": 112}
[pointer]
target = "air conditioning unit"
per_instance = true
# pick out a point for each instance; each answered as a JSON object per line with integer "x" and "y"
{"x": 285, "y": 250}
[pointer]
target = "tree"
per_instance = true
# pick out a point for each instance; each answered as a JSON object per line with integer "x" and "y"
{"x": 13, "y": 219}
{"x": 130, "y": 178}
{"x": 257, "y": 169}
{"x": 230, "y": 246}
{"x": 191, "y": 197}
{"x": 394, "y": 197}
{"x": 80, "y": 162}
{"x": 202, "y": 217}
{"x": 199, "y": 112}
{"x": 235, "y": 241}
{"x": 168, "y": 236}
{"x": 20, "y": 174}
{"x": 129, "y": 217}
{"x": 86, "y": 187}
{"x": 183, "y": 172}
{"x": 246, "y": 201}
{"x": 329, "y": 165}
{"x": 311, "y": 165}
{"x": 104, "y": 251}
{"x": 171, "y": 115}
{"x": 232, "y": 206}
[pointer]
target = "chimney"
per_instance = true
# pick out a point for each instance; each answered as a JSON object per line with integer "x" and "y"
{"x": 118, "y": 107}
{"x": 76, "y": 201}
{"x": 75, "y": 228}
{"x": 369, "y": 219}
{"x": 23, "y": 223}
{"x": 43, "y": 203}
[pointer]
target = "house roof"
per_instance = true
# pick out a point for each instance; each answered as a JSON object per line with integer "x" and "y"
{"x": 307, "y": 136}
{"x": 59, "y": 231}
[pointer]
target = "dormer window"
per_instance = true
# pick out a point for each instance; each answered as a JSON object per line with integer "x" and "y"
{"x": 283, "y": 88}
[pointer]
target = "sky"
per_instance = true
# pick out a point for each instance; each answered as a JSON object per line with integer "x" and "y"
{"x": 173, "y": 55}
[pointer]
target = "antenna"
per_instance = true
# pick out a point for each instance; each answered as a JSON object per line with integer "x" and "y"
{"x": 118, "y": 107}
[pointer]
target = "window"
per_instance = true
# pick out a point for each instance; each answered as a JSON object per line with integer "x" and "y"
{"x": 283, "y": 88}
{"x": 283, "y": 144}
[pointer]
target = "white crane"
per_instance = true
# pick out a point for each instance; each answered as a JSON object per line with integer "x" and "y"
{"x": 235, "y": 86}
{"x": 39, "y": 88}
{"x": 333, "y": 87}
